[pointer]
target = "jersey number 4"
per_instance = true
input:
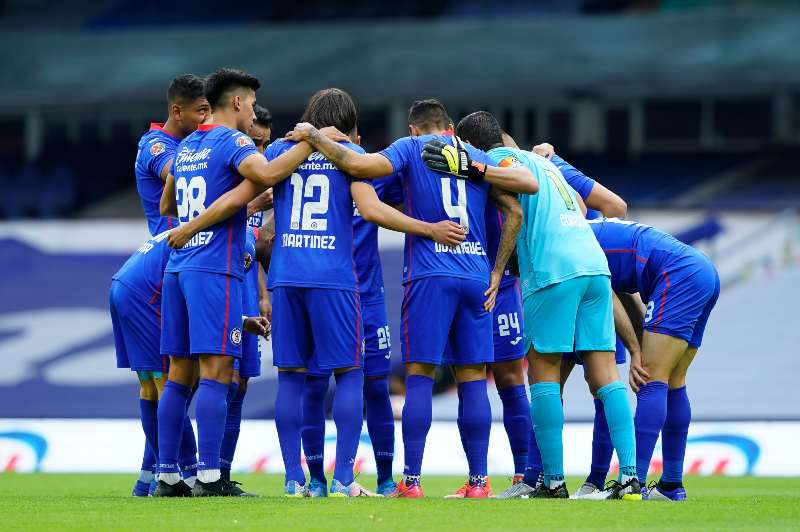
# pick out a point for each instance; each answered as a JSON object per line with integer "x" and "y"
{"x": 303, "y": 213}
{"x": 459, "y": 210}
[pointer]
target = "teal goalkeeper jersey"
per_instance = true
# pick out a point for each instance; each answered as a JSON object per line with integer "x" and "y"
{"x": 555, "y": 242}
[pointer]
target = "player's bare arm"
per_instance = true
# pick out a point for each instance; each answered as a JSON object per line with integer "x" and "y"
{"x": 603, "y": 200}
{"x": 374, "y": 210}
{"x": 165, "y": 170}
{"x": 266, "y": 237}
{"x": 635, "y": 309}
{"x": 224, "y": 207}
{"x": 262, "y": 202}
{"x": 625, "y": 330}
{"x": 168, "y": 206}
{"x": 359, "y": 165}
{"x": 512, "y": 221}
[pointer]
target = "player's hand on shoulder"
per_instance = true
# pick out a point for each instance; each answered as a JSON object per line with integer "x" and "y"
{"x": 178, "y": 237}
{"x": 452, "y": 159}
{"x": 447, "y": 233}
{"x": 545, "y": 149}
{"x": 301, "y": 132}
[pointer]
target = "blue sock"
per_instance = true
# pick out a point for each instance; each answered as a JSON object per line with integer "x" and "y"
{"x": 289, "y": 420}
{"x": 619, "y": 419}
{"x": 313, "y": 430}
{"x": 149, "y": 458}
{"x": 348, "y": 415}
{"x": 547, "y": 415}
{"x": 417, "y": 413}
{"x": 651, "y": 410}
{"x": 602, "y": 449}
{"x": 211, "y": 411}
{"x": 460, "y": 421}
{"x": 517, "y": 421}
{"x": 534, "y": 469}
{"x": 233, "y": 424}
{"x": 171, "y": 413}
{"x": 187, "y": 457}
{"x": 380, "y": 424}
{"x": 674, "y": 433}
{"x": 477, "y": 424}
{"x": 148, "y": 412}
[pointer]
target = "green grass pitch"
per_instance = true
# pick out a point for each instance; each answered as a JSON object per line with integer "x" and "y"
{"x": 102, "y": 502}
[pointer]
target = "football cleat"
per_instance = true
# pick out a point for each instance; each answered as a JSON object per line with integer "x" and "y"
{"x": 478, "y": 491}
{"x": 181, "y": 489}
{"x": 141, "y": 489}
{"x": 317, "y": 488}
{"x": 236, "y": 491}
{"x": 543, "y": 492}
{"x": 218, "y": 488}
{"x": 387, "y": 487}
{"x": 585, "y": 490}
{"x": 413, "y": 491}
{"x": 354, "y": 489}
{"x": 294, "y": 489}
{"x": 152, "y": 489}
{"x": 655, "y": 492}
{"x": 460, "y": 493}
{"x": 516, "y": 479}
{"x": 629, "y": 491}
{"x": 520, "y": 490}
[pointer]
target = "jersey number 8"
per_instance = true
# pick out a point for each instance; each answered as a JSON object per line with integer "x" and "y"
{"x": 303, "y": 213}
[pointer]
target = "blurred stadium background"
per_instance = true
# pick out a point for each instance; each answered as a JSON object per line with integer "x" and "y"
{"x": 689, "y": 109}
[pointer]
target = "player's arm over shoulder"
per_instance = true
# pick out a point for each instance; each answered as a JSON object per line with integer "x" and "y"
{"x": 510, "y": 173}
{"x": 268, "y": 171}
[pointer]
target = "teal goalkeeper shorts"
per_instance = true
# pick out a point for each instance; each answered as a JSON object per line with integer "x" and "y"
{"x": 573, "y": 315}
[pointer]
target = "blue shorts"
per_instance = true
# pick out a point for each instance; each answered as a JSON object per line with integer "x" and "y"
{"x": 507, "y": 318}
{"x": 249, "y": 365}
{"x": 681, "y": 301}
{"x": 137, "y": 329}
{"x": 377, "y": 342}
{"x": 438, "y": 311}
{"x": 316, "y": 328}
{"x": 573, "y": 315}
{"x": 620, "y": 355}
{"x": 201, "y": 314}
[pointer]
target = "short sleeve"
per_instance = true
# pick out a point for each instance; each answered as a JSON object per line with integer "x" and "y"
{"x": 503, "y": 157}
{"x": 158, "y": 153}
{"x": 398, "y": 153}
{"x": 241, "y": 147}
{"x": 273, "y": 150}
{"x": 582, "y": 183}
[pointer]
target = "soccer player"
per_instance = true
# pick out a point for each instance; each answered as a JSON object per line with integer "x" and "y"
{"x": 445, "y": 287}
{"x": 680, "y": 287}
{"x": 377, "y": 357}
{"x": 316, "y": 308}
{"x": 568, "y": 304}
{"x": 135, "y": 303}
{"x": 204, "y": 276}
{"x": 188, "y": 108}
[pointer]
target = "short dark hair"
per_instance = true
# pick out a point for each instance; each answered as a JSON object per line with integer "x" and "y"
{"x": 428, "y": 114}
{"x": 263, "y": 116}
{"x": 331, "y": 107}
{"x": 185, "y": 89}
{"x": 481, "y": 129}
{"x": 226, "y": 79}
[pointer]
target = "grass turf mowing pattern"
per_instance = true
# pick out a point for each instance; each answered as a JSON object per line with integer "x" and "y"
{"x": 84, "y": 501}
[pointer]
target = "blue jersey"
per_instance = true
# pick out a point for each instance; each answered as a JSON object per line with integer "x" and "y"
{"x": 144, "y": 270}
{"x": 205, "y": 168}
{"x": 255, "y": 220}
{"x": 579, "y": 181}
{"x": 250, "y": 295}
{"x": 156, "y": 149}
{"x": 637, "y": 254}
{"x": 432, "y": 197}
{"x": 365, "y": 250}
{"x": 313, "y": 225}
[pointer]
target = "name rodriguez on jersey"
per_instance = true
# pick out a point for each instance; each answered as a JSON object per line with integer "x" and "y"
{"x": 464, "y": 248}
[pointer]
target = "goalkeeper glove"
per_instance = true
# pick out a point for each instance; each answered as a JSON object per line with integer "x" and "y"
{"x": 452, "y": 159}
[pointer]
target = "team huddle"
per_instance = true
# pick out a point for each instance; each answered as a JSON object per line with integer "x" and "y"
{"x": 514, "y": 260}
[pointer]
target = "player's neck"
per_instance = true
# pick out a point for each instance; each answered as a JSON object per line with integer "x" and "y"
{"x": 171, "y": 128}
{"x": 222, "y": 117}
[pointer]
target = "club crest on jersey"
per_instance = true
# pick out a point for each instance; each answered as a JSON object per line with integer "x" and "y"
{"x": 157, "y": 149}
{"x": 509, "y": 161}
{"x": 243, "y": 140}
{"x": 236, "y": 336}
{"x": 248, "y": 260}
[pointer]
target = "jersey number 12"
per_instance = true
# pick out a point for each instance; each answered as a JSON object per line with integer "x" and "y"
{"x": 303, "y": 213}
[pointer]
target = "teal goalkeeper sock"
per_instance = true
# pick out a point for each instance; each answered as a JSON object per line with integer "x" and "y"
{"x": 620, "y": 425}
{"x": 547, "y": 415}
